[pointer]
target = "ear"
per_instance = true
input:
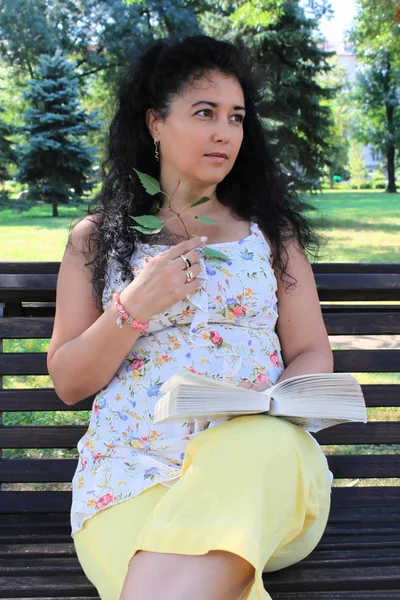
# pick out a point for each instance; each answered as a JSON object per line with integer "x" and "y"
{"x": 154, "y": 123}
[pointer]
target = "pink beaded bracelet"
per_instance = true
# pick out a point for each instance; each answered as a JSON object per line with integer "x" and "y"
{"x": 125, "y": 316}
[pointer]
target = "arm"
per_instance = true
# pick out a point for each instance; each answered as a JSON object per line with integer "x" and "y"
{"x": 300, "y": 327}
{"x": 87, "y": 347}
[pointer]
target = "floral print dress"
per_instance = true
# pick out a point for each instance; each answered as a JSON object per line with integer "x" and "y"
{"x": 225, "y": 330}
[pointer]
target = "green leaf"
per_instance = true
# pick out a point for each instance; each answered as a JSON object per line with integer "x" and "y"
{"x": 151, "y": 222}
{"x": 211, "y": 252}
{"x": 150, "y": 184}
{"x": 201, "y": 201}
{"x": 206, "y": 220}
{"x": 145, "y": 230}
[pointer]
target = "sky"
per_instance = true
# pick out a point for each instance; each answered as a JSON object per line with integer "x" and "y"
{"x": 344, "y": 12}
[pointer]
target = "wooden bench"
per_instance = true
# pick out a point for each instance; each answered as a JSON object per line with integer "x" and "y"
{"x": 359, "y": 554}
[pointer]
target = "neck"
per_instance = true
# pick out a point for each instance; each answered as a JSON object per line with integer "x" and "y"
{"x": 179, "y": 193}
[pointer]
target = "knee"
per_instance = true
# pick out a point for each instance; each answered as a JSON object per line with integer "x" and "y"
{"x": 263, "y": 432}
{"x": 251, "y": 436}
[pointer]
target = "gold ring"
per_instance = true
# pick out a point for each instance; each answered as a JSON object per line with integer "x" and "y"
{"x": 189, "y": 275}
{"x": 186, "y": 261}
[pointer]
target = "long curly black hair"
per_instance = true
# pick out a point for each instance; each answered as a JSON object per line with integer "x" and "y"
{"x": 256, "y": 188}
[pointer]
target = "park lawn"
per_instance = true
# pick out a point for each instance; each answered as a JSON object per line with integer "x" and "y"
{"x": 357, "y": 226}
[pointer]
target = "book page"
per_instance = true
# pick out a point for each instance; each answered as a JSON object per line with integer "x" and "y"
{"x": 313, "y": 424}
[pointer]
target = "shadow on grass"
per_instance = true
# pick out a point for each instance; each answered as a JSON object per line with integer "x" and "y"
{"x": 41, "y": 216}
{"x": 359, "y": 225}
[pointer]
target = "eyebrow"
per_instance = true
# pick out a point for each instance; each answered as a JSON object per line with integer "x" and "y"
{"x": 215, "y": 104}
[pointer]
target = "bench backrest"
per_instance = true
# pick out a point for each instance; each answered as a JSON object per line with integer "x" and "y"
{"x": 351, "y": 296}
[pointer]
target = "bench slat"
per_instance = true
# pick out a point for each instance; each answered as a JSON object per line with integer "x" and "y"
{"x": 299, "y": 579}
{"x": 378, "y": 361}
{"x": 376, "y": 395}
{"x": 368, "y": 578}
{"x": 332, "y": 540}
{"x": 26, "y": 328}
{"x": 368, "y": 323}
{"x": 67, "y": 436}
{"x": 20, "y": 567}
{"x": 338, "y": 515}
{"x": 8, "y": 266}
{"x": 29, "y": 311}
{"x": 49, "y": 502}
{"x": 44, "y": 586}
{"x": 352, "y": 595}
{"x": 354, "y": 361}
{"x": 42, "y": 400}
{"x": 380, "y": 321}
{"x": 62, "y": 470}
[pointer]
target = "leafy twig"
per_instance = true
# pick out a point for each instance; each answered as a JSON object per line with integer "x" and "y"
{"x": 150, "y": 224}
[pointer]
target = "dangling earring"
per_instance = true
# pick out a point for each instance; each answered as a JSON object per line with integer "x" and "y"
{"x": 156, "y": 151}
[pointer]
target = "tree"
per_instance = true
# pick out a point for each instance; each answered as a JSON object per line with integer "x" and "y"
{"x": 55, "y": 163}
{"x": 100, "y": 35}
{"x": 375, "y": 35}
{"x": 7, "y": 153}
{"x": 341, "y": 110}
{"x": 356, "y": 166}
{"x": 376, "y": 27}
{"x": 378, "y": 98}
{"x": 7, "y": 156}
{"x": 103, "y": 35}
{"x": 296, "y": 119}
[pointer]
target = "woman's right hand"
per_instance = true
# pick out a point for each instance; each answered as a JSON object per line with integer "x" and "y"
{"x": 162, "y": 281}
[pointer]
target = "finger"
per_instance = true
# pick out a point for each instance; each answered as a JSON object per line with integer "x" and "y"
{"x": 185, "y": 246}
{"x": 195, "y": 269}
{"x": 193, "y": 256}
{"x": 260, "y": 387}
{"x": 245, "y": 384}
{"x": 192, "y": 286}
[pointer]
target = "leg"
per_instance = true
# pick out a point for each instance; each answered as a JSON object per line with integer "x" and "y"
{"x": 214, "y": 576}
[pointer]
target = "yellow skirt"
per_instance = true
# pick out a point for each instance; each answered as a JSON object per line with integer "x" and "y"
{"x": 256, "y": 486}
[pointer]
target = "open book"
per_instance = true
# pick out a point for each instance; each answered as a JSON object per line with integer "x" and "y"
{"x": 314, "y": 401}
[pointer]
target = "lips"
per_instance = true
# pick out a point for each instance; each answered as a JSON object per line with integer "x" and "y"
{"x": 219, "y": 154}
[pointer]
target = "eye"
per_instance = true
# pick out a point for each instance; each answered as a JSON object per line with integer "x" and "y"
{"x": 204, "y": 110}
{"x": 208, "y": 110}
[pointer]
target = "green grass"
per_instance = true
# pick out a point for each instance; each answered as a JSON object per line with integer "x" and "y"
{"x": 358, "y": 226}
{"x": 35, "y": 235}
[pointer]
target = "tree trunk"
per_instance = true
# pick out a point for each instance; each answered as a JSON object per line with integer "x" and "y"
{"x": 390, "y": 154}
{"x": 391, "y": 188}
{"x": 55, "y": 209}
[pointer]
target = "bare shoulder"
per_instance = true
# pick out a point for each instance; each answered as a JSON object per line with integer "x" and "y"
{"x": 80, "y": 234}
{"x": 296, "y": 256}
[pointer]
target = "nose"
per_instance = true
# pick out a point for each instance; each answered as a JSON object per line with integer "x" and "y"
{"x": 222, "y": 133}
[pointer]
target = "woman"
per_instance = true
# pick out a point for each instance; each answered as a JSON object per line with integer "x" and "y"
{"x": 194, "y": 510}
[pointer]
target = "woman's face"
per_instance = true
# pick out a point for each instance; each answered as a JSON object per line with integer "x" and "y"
{"x": 206, "y": 118}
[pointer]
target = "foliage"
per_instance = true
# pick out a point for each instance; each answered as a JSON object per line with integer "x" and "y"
{"x": 152, "y": 224}
{"x": 378, "y": 97}
{"x": 100, "y": 35}
{"x": 340, "y": 130}
{"x": 376, "y": 36}
{"x": 56, "y": 164}
{"x": 296, "y": 119}
{"x": 7, "y": 153}
{"x": 356, "y": 166}
{"x": 376, "y": 27}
